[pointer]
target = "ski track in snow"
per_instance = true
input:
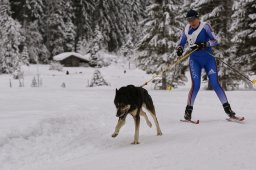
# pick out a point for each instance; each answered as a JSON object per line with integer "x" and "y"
{"x": 52, "y": 128}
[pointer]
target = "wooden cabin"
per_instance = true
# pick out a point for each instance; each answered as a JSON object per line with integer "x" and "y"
{"x": 72, "y": 59}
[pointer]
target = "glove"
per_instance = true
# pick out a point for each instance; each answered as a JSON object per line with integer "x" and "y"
{"x": 200, "y": 46}
{"x": 179, "y": 51}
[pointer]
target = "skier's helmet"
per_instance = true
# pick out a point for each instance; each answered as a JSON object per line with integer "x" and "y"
{"x": 191, "y": 15}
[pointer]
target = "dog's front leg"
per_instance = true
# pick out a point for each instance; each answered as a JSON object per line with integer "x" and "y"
{"x": 137, "y": 127}
{"x": 120, "y": 123}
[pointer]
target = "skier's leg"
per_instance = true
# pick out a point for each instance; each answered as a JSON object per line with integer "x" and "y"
{"x": 195, "y": 73}
{"x": 212, "y": 72}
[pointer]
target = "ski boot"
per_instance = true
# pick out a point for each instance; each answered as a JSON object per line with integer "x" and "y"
{"x": 231, "y": 114}
{"x": 188, "y": 112}
{"x": 228, "y": 110}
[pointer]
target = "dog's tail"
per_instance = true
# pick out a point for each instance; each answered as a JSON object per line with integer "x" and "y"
{"x": 149, "y": 102}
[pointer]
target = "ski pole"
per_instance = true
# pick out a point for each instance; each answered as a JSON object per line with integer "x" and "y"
{"x": 242, "y": 75}
{"x": 170, "y": 66}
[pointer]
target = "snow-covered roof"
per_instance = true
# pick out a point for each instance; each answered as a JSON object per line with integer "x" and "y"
{"x": 65, "y": 55}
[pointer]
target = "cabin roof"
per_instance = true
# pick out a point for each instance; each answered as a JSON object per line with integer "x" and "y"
{"x": 65, "y": 55}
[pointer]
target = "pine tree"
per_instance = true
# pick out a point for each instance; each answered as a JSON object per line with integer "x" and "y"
{"x": 19, "y": 10}
{"x": 83, "y": 11}
{"x": 116, "y": 19}
{"x": 69, "y": 38}
{"x": 26, "y": 11}
{"x": 31, "y": 15}
{"x": 69, "y": 31}
{"x": 161, "y": 32}
{"x": 25, "y": 56}
{"x": 60, "y": 27}
{"x": 107, "y": 17}
{"x": 98, "y": 80}
{"x": 133, "y": 12}
{"x": 11, "y": 38}
{"x": 243, "y": 28}
{"x": 37, "y": 11}
{"x": 37, "y": 50}
{"x": 56, "y": 27}
{"x": 97, "y": 41}
{"x": 127, "y": 50}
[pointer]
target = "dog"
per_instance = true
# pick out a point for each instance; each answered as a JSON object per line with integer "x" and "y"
{"x": 130, "y": 100}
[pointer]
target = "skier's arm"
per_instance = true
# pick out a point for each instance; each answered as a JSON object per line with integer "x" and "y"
{"x": 182, "y": 41}
{"x": 213, "y": 38}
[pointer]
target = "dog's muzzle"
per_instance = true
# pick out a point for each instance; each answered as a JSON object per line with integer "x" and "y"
{"x": 122, "y": 112}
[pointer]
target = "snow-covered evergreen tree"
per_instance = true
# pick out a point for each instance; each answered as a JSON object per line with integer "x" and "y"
{"x": 185, "y": 7}
{"x": 98, "y": 80}
{"x": 69, "y": 31}
{"x": 161, "y": 32}
{"x": 243, "y": 29}
{"x": 37, "y": 12}
{"x": 31, "y": 15}
{"x": 127, "y": 50}
{"x": 19, "y": 10}
{"x": 96, "y": 42}
{"x": 25, "y": 56}
{"x": 56, "y": 27}
{"x": 83, "y": 10}
{"x": 34, "y": 41}
{"x": 61, "y": 30}
{"x": 116, "y": 19}
{"x": 26, "y": 11}
{"x": 69, "y": 43}
{"x": 11, "y": 38}
{"x": 56, "y": 35}
{"x": 35, "y": 9}
{"x": 107, "y": 17}
{"x": 133, "y": 12}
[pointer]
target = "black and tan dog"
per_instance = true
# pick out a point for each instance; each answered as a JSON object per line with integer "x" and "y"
{"x": 130, "y": 100}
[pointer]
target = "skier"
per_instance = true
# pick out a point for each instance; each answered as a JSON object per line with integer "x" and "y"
{"x": 199, "y": 35}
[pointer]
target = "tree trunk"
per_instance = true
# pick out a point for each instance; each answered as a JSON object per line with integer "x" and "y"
{"x": 164, "y": 83}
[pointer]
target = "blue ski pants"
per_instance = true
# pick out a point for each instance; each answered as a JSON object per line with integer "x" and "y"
{"x": 198, "y": 60}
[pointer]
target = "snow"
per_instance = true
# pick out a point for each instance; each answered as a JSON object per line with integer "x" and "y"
{"x": 252, "y": 16}
{"x": 65, "y": 55}
{"x": 55, "y": 128}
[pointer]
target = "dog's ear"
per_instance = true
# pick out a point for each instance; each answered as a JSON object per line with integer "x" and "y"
{"x": 116, "y": 90}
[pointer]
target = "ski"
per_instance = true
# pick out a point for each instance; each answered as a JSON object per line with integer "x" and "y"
{"x": 190, "y": 121}
{"x": 235, "y": 119}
